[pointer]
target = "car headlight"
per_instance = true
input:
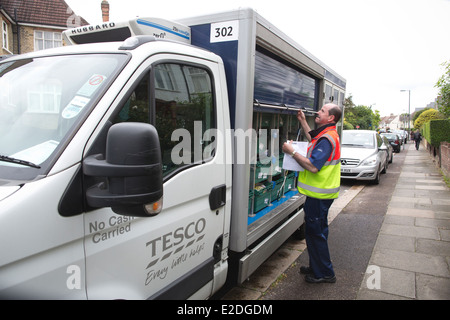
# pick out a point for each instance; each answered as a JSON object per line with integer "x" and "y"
{"x": 371, "y": 161}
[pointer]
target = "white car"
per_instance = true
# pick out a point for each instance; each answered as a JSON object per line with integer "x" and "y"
{"x": 364, "y": 155}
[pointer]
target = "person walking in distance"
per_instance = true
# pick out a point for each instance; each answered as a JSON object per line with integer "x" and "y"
{"x": 320, "y": 182}
{"x": 417, "y": 138}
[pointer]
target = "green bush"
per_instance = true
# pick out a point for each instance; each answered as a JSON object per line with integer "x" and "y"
{"x": 436, "y": 131}
{"x": 348, "y": 126}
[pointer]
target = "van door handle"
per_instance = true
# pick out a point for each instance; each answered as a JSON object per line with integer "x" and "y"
{"x": 217, "y": 197}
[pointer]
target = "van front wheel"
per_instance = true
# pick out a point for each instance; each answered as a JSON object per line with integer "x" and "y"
{"x": 299, "y": 234}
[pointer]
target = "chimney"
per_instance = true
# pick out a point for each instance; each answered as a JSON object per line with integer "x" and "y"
{"x": 105, "y": 11}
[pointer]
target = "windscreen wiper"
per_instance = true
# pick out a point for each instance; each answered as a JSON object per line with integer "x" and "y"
{"x": 18, "y": 161}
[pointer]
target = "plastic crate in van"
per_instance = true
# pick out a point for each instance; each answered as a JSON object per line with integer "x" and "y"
{"x": 290, "y": 182}
{"x": 276, "y": 187}
{"x": 262, "y": 171}
{"x": 262, "y": 196}
{"x": 250, "y": 201}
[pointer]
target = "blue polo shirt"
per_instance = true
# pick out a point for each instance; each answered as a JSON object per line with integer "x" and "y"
{"x": 321, "y": 153}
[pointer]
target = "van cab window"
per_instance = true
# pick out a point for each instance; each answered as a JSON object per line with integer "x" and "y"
{"x": 181, "y": 106}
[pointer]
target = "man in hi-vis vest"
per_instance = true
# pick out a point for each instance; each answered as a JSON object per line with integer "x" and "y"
{"x": 320, "y": 182}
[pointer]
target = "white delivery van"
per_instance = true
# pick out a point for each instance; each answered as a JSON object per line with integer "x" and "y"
{"x": 143, "y": 162}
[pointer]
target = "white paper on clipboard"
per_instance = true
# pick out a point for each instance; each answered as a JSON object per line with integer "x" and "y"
{"x": 289, "y": 162}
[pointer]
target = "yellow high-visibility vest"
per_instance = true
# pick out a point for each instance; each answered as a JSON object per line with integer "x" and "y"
{"x": 324, "y": 184}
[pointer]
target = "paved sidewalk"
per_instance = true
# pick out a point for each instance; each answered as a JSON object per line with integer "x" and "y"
{"x": 411, "y": 258}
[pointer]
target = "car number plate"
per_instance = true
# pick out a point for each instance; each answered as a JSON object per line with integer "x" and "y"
{"x": 346, "y": 170}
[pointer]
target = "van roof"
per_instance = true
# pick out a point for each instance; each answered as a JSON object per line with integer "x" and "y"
{"x": 146, "y": 49}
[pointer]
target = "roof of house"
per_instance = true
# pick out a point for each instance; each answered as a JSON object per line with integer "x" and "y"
{"x": 388, "y": 119}
{"x": 42, "y": 12}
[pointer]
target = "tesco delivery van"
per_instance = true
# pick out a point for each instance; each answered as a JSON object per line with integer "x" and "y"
{"x": 142, "y": 162}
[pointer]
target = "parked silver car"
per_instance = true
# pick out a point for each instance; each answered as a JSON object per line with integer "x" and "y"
{"x": 364, "y": 155}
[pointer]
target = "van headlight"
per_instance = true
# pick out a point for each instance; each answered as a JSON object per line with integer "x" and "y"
{"x": 371, "y": 161}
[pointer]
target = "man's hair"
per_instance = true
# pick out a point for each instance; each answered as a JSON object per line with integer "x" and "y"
{"x": 336, "y": 112}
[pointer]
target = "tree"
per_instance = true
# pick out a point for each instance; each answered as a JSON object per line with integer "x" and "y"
{"x": 418, "y": 113}
{"x": 364, "y": 116}
{"x": 361, "y": 116}
{"x": 443, "y": 84}
{"x": 426, "y": 116}
{"x": 376, "y": 119}
{"x": 348, "y": 113}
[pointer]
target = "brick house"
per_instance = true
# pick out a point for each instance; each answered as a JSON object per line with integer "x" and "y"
{"x": 31, "y": 25}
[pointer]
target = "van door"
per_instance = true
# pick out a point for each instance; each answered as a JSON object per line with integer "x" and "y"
{"x": 170, "y": 255}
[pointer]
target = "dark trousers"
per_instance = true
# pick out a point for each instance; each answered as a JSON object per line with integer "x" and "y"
{"x": 316, "y": 229}
{"x": 417, "y": 144}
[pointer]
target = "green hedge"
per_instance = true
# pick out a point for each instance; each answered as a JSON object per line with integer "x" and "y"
{"x": 436, "y": 131}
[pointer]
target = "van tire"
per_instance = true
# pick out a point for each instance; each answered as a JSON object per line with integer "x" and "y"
{"x": 299, "y": 234}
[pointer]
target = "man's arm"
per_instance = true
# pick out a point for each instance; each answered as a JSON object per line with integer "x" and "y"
{"x": 318, "y": 158}
{"x": 301, "y": 160}
{"x": 302, "y": 119}
{"x": 305, "y": 163}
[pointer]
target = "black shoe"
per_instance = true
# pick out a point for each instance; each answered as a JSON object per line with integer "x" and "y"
{"x": 305, "y": 270}
{"x": 311, "y": 279}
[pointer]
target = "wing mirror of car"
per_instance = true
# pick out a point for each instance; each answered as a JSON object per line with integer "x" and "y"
{"x": 133, "y": 170}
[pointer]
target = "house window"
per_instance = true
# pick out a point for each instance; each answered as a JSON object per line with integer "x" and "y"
{"x": 5, "y": 35}
{"x": 47, "y": 40}
{"x": 164, "y": 78}
{"x": 45, "y": 97}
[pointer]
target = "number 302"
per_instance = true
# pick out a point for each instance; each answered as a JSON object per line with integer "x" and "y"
{"x": 224, "y": 32}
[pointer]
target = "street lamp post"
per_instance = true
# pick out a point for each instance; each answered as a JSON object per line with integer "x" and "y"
{"x": 409, "y": 110}
{"x": 371, "y": 116}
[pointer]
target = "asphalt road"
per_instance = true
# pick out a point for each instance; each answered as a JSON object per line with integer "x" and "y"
{"x": 352, "y": 237}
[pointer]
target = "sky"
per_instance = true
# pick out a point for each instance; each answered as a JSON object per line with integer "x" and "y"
{"x": 379, "y": 46}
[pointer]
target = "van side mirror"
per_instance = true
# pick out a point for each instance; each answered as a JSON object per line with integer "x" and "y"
{"x": 133, "y": 170}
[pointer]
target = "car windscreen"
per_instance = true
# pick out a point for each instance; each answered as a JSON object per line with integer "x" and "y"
{"x": 358, "y": 139}
{"x": 42, "y": 102}
{"x": 390, "y": 136}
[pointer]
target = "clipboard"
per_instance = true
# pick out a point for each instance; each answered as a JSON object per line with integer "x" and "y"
{"x": 289, "y": 162}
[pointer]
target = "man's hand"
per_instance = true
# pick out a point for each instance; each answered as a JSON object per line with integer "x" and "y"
{"x": 301, "y": 116}
{"x": 303, "y": 161}
{"x": 287, "y": 147}
{"x": 302, "y": 119}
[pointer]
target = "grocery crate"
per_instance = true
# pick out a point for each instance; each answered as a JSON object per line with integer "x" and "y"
{"x": 262, "y": 196}
{"x": 262, "y": 171}
{"x": 276, "y": 186}
{"x": 277, "y": 164}
{"x": 250, "y": 202}
{"x": 290, "y": 182}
